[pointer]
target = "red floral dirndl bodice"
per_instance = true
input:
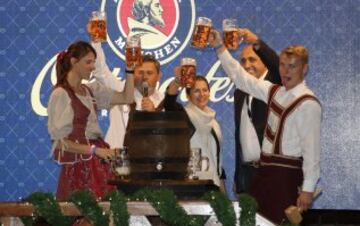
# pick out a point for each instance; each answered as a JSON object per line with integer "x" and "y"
{"x": 82, "y": 172}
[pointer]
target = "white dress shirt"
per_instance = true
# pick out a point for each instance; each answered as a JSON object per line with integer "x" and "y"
{"x": 301, "y": 134}
{"x": 119, "y": 114}
{"x": 248, "y": 138}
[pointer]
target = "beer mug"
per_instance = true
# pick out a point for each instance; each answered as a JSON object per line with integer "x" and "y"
{"x": 188, "y": 72}
{"x": 197, "y": 163}
{"x": 97, "y": 27}
{"x": 121, "y": 164}
{"x": 201, "y": 33}
{"x": 230, "y": 34}
{"x": 133, "y": 51}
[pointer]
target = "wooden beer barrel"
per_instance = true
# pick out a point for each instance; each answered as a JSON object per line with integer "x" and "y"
{"x": 158, "y": 144}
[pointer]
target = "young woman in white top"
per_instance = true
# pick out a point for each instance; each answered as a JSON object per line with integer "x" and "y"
{"x": 73, "y": 126}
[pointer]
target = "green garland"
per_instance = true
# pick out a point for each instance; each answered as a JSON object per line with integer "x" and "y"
{"x": 88, "y": 206}
{"x": 222, "y": 206}
{"x": 163, "y": 200}
{"x": 248, "y": 207}
{"x": 46, "y": 207}
{"x": 165, "y": 203}
{"x": 118, "y": 208}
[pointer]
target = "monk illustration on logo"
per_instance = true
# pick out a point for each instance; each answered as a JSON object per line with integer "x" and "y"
{"x": 148, "y": 15}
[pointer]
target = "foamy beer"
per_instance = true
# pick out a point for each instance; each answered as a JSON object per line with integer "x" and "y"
{"x": 201, "y": 32}
{"x": 97, "y": 27}
{"x": 133, "y": 51}
{"x": 188, "y": 72}
{"x": 230, "y": 34}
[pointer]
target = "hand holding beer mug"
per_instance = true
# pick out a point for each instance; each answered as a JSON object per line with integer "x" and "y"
{"x": 230, "y": 34}
{"x": 248, "y": 36}
{"x": 188, "y": 72}
{"x": 133, "y": 51}
{"x": 201, "y": 32}
{"x": 97, "y": 26}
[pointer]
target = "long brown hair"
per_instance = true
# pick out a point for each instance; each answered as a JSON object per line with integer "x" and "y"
{"x": 77, "y": 50}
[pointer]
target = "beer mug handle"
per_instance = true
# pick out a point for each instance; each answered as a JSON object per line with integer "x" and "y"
{"x": 207, "y": 164}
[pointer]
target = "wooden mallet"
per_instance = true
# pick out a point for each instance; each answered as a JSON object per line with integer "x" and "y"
{"x": 293, "y": 212}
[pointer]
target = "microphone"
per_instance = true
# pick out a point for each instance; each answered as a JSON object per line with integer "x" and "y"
{"x": 145, "y": 89}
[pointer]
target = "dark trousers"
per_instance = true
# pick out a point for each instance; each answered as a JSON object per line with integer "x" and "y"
{"x": 247, "y": 173}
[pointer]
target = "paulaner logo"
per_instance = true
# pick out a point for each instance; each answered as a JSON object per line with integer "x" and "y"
{"x": 165, "y": 26}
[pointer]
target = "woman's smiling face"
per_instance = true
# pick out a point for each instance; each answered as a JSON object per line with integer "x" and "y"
{"x": 199, "y": 94}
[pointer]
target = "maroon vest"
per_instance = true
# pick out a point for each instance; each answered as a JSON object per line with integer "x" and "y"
{"x": 81, "y": 114}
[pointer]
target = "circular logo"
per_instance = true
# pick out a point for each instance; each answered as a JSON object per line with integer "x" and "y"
{"x": 164, "y": 26}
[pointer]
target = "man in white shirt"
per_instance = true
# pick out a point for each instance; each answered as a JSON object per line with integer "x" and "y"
{"x": 250, "y": 113}
{"x": 147, "y": 98}
{"x": 290, "y": 157}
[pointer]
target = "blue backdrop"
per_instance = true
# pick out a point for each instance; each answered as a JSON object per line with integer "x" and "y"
{"x": 32, "y": 32}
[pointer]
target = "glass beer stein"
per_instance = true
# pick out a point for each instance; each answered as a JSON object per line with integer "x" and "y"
{"x": 230, "y": 34}
{"x": 121, "y": 164}
{"x": 201, "y": 33}
{"x": 133, "y": 51}
{"x": 188, "y": 72}
{"x": 197, "y": 163}
{"x": 97, "y": 27}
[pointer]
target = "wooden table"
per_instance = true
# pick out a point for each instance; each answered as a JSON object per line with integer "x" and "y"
{"x": 184, "y": 189}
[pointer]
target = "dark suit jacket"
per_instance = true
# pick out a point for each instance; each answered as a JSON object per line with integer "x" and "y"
{"x": 258, "y": 107}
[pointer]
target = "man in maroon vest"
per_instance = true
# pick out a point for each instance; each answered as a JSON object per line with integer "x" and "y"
{"x": 290, "y": 156}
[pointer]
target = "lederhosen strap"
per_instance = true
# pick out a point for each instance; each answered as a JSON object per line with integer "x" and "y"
{"x": 277, "y": 158}
{"x": 268, "y": 133}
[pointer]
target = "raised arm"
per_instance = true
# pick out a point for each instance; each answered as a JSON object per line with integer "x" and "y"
{"x": 270, "y": 59}
{"x": 127, "y": 96}
{"x": 267, "y": 55}
{"x": 123, "y": 93}
{"x": 102, "y": 72}
{"x": 241, "y": 78}
{"x": 172, "y": 90}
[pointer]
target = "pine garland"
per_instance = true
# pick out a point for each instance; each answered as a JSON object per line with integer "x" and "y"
{"x": 222, "y": 206}
{"x": 165, "y": 203}
{"x": 46, "y": 207}
{"x": 248, "y": 207}
{"x": 118, "y": 208}
{"x": 88, "y": 206}
{"x": 28, "y": 221}
{"x": 163, "y": 200}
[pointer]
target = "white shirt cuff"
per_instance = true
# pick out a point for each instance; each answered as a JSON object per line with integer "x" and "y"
{"x": 309, "y": 185}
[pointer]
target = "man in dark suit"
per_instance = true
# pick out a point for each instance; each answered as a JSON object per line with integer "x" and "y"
{"x": 250, "y": 113}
